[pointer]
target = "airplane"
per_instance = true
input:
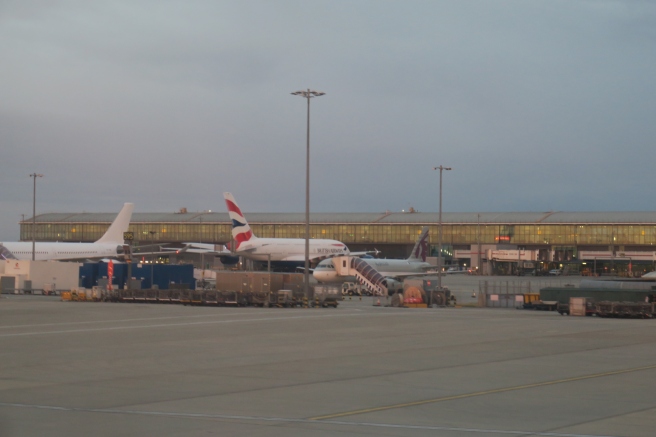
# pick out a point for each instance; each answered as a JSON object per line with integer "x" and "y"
{"x": 217, "y": 250}
{"x": 414, "y": 265}
{"x": 110, "y": 245}
{"x": 282, "y": 252}
{"x": 5, "y": 253}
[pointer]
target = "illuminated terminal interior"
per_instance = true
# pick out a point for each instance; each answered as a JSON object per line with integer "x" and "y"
{"x": 555, "y": 236}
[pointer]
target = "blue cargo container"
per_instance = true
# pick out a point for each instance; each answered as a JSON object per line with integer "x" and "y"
{"x": 165, "y": 276}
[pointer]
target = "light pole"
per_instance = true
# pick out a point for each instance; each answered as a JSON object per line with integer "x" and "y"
{"x": 200, "y": 238}
{"x": 308, "y": 94}
{"x": 439, "y": 232}
{"x": 478, "y": 237}
{"x": 34, "y": 176}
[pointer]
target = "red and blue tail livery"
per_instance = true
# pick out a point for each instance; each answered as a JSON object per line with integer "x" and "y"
{"x": 240, "y": 230}
{"x": 283, "y": 252}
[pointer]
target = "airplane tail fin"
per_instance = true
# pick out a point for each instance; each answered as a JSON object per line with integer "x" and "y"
{"x": 120, "y": 225}
{"x": 420, "y": 251}
{"x": 240, "y": 230}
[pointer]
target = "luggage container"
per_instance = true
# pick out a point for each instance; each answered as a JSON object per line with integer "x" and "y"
{"x": 326, "y": 295}
{"x": 185, "y": 297}
{"x": 151, "y": 296}
{"x": 196, "y": 297}
{"x": 125, "y": 296}
{"x": 174, "y": 296}
{"x": 97, "y": 294}
{"x": 139, "y": 295}
{"x": 210, "y": 297}
{"x": 233, "y": 298}
{"x": 258, "y": 298}
{"x": 285, "y": 299}
{"x": 580, "y": 306}
{"x": 163, "y": 296}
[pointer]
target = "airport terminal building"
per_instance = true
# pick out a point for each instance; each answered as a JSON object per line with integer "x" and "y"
{"x": 501, "y": 243}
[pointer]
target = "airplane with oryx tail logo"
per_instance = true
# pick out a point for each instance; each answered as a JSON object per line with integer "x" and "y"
{"x": 414, "y": 265}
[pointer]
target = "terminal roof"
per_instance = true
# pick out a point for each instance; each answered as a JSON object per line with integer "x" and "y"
{"x": 414, "y": 218}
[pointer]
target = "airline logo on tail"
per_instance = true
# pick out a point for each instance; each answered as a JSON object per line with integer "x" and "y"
{"x": 421, "y": 248}
{"x": 240, "y": 230}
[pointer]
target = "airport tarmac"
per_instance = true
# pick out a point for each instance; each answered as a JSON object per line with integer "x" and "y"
{"x": 110, "y": 369}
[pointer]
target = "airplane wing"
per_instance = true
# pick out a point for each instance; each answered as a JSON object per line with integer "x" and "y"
{"x": 319, "y": 258}
{"x": 216, "y": 250}
{"x": 366, "y": 252}
{"x": 407, "y": 275}
{"x": 162, "y": 251}
{"x": 313, "y": 260}
{"x": 206, "y": 248}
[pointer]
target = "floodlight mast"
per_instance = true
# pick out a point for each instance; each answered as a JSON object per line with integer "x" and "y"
{"x": 307, "y": 94}
{"x": 34, "y": 176}
{"x": 439, "y": 232}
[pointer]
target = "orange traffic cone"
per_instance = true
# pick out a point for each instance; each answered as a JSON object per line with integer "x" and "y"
{"x": 378, "y": 302}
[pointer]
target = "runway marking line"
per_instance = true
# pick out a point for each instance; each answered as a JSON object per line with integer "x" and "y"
{"x": 302, "y": 421}
{"x": 209, "y": 322}
{"x": 480, "y": 393}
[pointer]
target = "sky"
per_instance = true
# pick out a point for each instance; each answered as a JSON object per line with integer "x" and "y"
{"x": 535, "y": 105}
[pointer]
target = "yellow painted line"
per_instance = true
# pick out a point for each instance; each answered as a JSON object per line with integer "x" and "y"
{"x": 480, "y": 393}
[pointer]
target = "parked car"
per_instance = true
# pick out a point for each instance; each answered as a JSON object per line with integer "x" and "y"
{"x": 555, "y": 272}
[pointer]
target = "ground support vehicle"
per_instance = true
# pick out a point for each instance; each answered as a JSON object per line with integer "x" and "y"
{"x": 429, "y": 287}
{"x": 258, "y": 298}
{"x": 251, "y": 289}
{"x": 325, "y": 296}
{"x": 542, "y": 305}
{"x": 285, "y": 299}
{"x": 354, "y": 289}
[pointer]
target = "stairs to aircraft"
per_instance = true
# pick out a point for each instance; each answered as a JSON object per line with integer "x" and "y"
{"x": 368, "y": 276}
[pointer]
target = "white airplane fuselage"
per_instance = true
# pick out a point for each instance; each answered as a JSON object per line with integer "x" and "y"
{"x": 289, "y": 249}
{"x": 110, "y": 245}
{"x": 63, "y": 251}
{"x": 325, "y": 270}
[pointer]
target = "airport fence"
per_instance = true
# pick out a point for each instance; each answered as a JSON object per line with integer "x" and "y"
{"x": 510, "y": 294}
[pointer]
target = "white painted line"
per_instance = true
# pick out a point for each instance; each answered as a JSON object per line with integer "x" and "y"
{"x": 303, "y": 421}
{"x": 211, "y": 322}
{"x": 142, "y": 319}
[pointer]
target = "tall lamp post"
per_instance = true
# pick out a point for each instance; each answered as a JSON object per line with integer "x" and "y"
{"x": 34, "y": 176}
{"x": 439, "y": 232}
{"x": 200, "y": 240}
{"x": 307, "y": 94}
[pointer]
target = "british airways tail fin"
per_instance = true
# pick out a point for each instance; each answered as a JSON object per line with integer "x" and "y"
{"x": 240, "y": 230}
{"x": 420, "y": 251}
{"x": 120, "y": 225}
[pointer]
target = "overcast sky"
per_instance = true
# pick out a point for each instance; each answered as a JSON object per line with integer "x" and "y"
{"x": 537, "y": 105}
